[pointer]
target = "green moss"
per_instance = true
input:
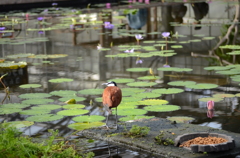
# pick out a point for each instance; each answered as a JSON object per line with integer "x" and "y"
{"x": 137, "y": 131}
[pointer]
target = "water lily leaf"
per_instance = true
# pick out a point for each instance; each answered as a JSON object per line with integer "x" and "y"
{"x": 15, "y": 56}
{"x": 61, "y": 80}
{"x": 64, "y": 93}
{"x": 18, "y": 124}
{"x": 126, "y": 104}
{"x": 195, "y": 40}
{"x": 69, "y": 99}
{"x": 14, "y": 105}
{"x": 123, "y": 112}
{"x": 149, "y": 78}
{"x": 9, "y": 110}
{"x": 206, "y": 99}
{"x": 128, "y": 118}
{"x": 153, "y": 102}
{"x": 122, "y": 80}
{"x": 234, "y": 53}
{"x": 146, "y": 95}
{"x": 223, "y": 95}
{"x": 216, "y": 68}
{"x": 230, "y": 47}
{"x": 34, "y": 95}
{"x": 90, "y": 118}
{"x": 72, "y": 112}
{"x": 134, "y": 90}
{"x": 47, "y": 56}
{"x": 175, "y": 69}
{"x": 127, "y": 93}
{"x": 47, "y": 106}
{"x": 91, "y": 91}
{"x": 181, "y": 119}
{"x": 98, "y": 99}
{"x": 81, "y": 126}
{"x": 168, "y": 91}
{"x": 202, "y": 86}
{"x": 131, "y": 99}
{"x": 44, "y": 118}
{"x": 35, "y": 112}
{"x": 228, "y": 72}
{"x": 73, "y": 106}
{"x": 137, "y": 69}
{"x": 37, "y": 101}
{"x": 237, "y": 95}
{"x": 30, "y": 86}
{"x": 162, "y": 108}
{"x": 181, "y": 83}
{"x": 13, "y": 65}
{"x": 141, "y": 84}
{"x": 176, "y": 46}
{"x": 208, "y": 38}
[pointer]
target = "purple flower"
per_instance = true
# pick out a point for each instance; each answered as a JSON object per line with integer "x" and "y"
{"x": 138, "y": 37}
{"x": 40, "y": 32}
{"x": 146, "y": 1}
{"x": 129, "y": 51}
{"x": 99, "y": 46}
{"x": 166, "y": 65}
{"x": 2, "y": 28}
{"x": 166, "y": 34}
{"x": 139, "y": 61}
{"x": 54, "y": 4}
{"x": 74, "y": 10}
{"x": 108, "y": 25}
{"x": 108, "y": 5}
{"x": 40, "y": 18}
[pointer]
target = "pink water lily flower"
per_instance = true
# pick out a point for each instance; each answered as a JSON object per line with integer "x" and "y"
{"x": 210, "y": 105}
{"x": 108, "y": 5}
{"x": 129, "y": 51}
{"x": 210, "y": 113}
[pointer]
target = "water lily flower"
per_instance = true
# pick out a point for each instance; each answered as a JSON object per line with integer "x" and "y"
{"x": 40, "y": 32}
{"x": 2, "y": 28}
{"x": 166, "y": 34}
{"x": 54, "y": 4}
{"x": 27, "y": 16}
{"x": 129, "y": 51}
{"x": 139, "y": 61}
{"x": 108, "y": 25}
{"x": 166, "y": 65}
{"x": 40, "y": 18}
{"x": 210, "y": 105}
{"x": 140, "y": 1}
{"x": 146, "y": 1}
{"x": 210, "y": 113}
{"x": 138, "y": 37}
{"x": 99, "y": 46}
{"x": 108, "y": 5}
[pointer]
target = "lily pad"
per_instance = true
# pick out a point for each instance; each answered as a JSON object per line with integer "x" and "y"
{"x": 137, "y": 69}
{"x": 123, "y": 112}
{"x": 72, "y": 112}
{"x": 61, "y": 80}
{"x": 77, "y": 99}
{"x": 14, "y": 105}
{"x": 37, "y": 101}
{"x": 128, "y": 118}
{"x": 73, "y": 106}
{"x": 131, "y": 99}
{"x": 34, "y": 95}
{"x": 202, "y": 86}
{"x": 168, "y": 91}
{"x": 181, "y": 83}
{"x": 141, "y": 84}
{"x": 91, "y": 91}
{"x": 223, "y": 95}
{"x": 230, "y": 47}
{"x": 147, "y": 95}
{"x": 47, "y": 107}
{"x": 44, "y": 118}
{"x": 122, "y": 80}
{"x": 15, "y": 56}
{"x": 64, "y": 93}
{"x": 30, "y": 86}
{"x": 35, "y": 112}
{"x": 149, "y": 78}
{"x": 153, "y": 102}
{"x": 162, "y": 108}
{"x": 181, "y": 119}
{"x": 90, "y": 118}
{"x": 18, "y": 124}
{"x": 206, "y": 99}
{"x": 9, "y": 110}
{"x": 175, "y": 69}
{"x": 135, "y": 90}
{"x": 81, "y": 126}
{"x": 216, "y": 68}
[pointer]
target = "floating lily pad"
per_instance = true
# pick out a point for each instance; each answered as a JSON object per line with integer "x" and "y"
{"x": 44, "y": 118}
{"x": 128, "y": 118}
{"x": 206, "y": 99}
{"x": 91, "y": 91}
{"x": 72, "y": 112}
{"x": 81, "y": 126}
{"x": 34, "y": 95}
{"x": 47, "y": 106}
{"x": 9, "y": 110}
{"x": 234, "y": 53}
{"x": 142, "y": 84}
{"x": 15, "y": 56}
{"x": 61, "y": 80}
{"x": 153, "y": 102}
{"x": 228, "y": 72}
{"x": 47, "y": 56}
{"x": 123, "y": 112}
{"x": 216, "y": 68}
{"x": 181, "y": 119}
{"x": 122, "y": 80}
{"x": 37, "y": 101}
{"x": 168, "y": 91}
{"x": 127, "y": 93}
{"x": 208, "y": 38}
{"x": 126, "y": 104}
{"x": 230, "y": 47}
{"x": 176, "y": 46}
{"x": 202, "y": 86}
{"x": 14, "y": 105}
{"x": 131, "y": 99}
{"x": 223, "y": 95}
{"x": 73, "y": 106}
{"x": 90, "y": 118}
{"x": 18, "y": 124}
{"x": 35, "y": 112}
{"x": 64, "y": 93}
{"x": 137, "y": 69}
{"x": 12, "y": 65}
{"x": 135, "y": 90}
{"x": 175, "y": 69}
{"x": 30, "y": 86}
{"x": 77, "y": 99}
{"x": 149, "y": 78}
{"x": 162, "y": 108}
{"x": 181, "y": 83}
{"x": 147, "y": 95}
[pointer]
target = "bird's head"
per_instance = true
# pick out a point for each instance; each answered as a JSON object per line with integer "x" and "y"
{"x": 111, "y": 83}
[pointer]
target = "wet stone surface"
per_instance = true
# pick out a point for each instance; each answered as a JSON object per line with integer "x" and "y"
{"x": 169, "y": 130}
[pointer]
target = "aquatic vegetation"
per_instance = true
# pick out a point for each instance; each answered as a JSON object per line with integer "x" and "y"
{"x": 137, "y": 131}
{"x": 161, "y": 140}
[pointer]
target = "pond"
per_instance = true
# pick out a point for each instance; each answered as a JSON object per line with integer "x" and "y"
{"x": 184, "y": 59}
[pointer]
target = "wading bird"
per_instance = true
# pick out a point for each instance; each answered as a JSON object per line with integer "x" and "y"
{"x": 111, "y": 97}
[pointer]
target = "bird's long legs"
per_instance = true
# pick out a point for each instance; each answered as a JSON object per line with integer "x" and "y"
{"x": 116, "y": 118}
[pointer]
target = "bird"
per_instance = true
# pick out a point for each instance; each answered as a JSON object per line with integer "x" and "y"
{"x": 111, "y": 98}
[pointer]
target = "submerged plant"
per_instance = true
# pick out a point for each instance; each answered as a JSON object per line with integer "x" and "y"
{"x": 137, "y": 131}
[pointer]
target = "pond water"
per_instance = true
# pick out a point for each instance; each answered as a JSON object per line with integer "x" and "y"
{"x": 63, "y": 45}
